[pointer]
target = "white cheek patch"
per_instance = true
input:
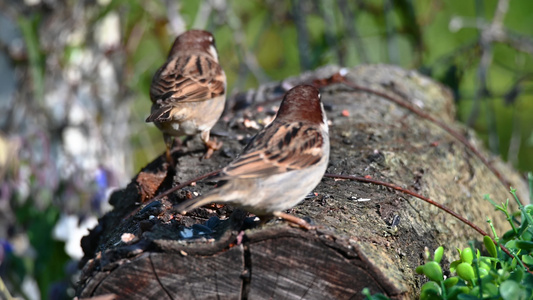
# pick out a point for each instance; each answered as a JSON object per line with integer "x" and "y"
{"x": 324, "y": 124}
{"x": 213, "y": 52}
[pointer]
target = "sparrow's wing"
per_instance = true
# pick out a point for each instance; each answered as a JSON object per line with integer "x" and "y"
{"x": 187, "y": 78}
{"x": 279, "y": 148}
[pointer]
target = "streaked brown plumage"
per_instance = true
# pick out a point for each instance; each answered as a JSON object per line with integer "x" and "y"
{"x": 281, "y": 164}
{"x": 188, "y": 92}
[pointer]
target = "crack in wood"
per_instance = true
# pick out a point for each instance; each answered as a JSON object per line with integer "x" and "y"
{"x": 247, "y": 272}
{"x": 157, "y": 277}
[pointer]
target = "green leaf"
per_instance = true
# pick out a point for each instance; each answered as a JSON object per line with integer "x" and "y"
{"x": 485, "y": 265}
{"x": 528, "y": 209}
{"x": 451, "y": 281}
{"x": 517, "y": 275}
{"x": 466, "y": 272}
{"x": 509, "y": 235}
{"x": 528, "y": 281}
{"x": 467, "y": 255}
{"x": 475, "y": 292}
{"x": 491, "y": 247}
{"x": 482, "y": 272}
{"x": 457, "y": 290}
{"x": 420, "y": 270}
{"x": 511, "y": 245}
{"x": 369, "y": 296}
{"x": 453, "y": 265}
{"x": 490, "y": 289}
{"x": 524, "y": 226}
{"x": 527, "y": 259}
{"x": 467, "y": 297}
{"x": 438, "y": 254}
{"x": 430, "y": 291}
{"x": 511, "y": 290}
{"x": 528, "y": 235}
{"x": 433, "y": 271}
{"x": 524, "y": 245}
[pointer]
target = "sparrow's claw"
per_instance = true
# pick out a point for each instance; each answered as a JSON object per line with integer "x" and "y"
{"x": 295, "y": 220}
{"x": 169, "y": 142}
{"x": 212, "y": 146}
{"x": 169, "y": 158}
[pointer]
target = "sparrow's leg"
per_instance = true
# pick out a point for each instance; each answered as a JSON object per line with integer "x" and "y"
{"x": 294, "y": 220}
{"x": 212, "y": 145}
{"x": 169, "y": 140}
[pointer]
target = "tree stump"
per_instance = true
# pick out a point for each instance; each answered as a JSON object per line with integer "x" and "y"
{"x": 368, "y": 235}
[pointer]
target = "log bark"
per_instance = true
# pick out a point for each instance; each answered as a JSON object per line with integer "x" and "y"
{"x": 367, "y": 236}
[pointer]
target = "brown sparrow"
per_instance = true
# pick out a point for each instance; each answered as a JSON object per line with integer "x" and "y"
{"x": 281, "y": 164}
{"x": 188, "y": 92}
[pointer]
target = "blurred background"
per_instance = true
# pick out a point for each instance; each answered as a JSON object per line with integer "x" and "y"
{"x": 75, "y": 77}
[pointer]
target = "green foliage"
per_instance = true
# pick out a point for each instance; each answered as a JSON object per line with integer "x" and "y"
{"x": 29, "y": 27}
{"x": 497, "y": 276}
{"x": 478, "y": 277}
{"x": 369, "y": 296}
{"x": 48, "y": 264}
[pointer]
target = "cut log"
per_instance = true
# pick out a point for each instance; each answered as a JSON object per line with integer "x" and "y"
{"x": 367, "y": 235}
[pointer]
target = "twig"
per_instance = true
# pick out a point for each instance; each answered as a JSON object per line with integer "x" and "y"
{"x": 405, "y": 191}
{"x": 427, "y": 200}
{"x": 338, "y": 78}
{"x": 186, "y": 183}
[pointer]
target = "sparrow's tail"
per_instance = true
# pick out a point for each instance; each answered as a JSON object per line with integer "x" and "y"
{"x": 161, "y": 114}
{"x": 191, "y": 204}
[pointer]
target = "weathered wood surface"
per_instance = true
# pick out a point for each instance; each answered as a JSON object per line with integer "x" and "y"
{"x": 355, "y": 246}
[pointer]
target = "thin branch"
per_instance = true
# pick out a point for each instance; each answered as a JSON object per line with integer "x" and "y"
{"x": 406, "y": 191}
{"x": 338, "y": 78}
{"x": 186, "y": 183}
{"x": 427, "y": 200}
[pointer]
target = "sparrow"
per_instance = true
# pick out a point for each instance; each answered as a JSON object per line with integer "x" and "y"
{"x": 280, "y": 165}
{"x": 189, "y": 91}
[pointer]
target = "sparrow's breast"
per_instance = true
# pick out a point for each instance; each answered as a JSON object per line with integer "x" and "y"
{"x": 190, "y": 118}
{"x": 282, "y": 191}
